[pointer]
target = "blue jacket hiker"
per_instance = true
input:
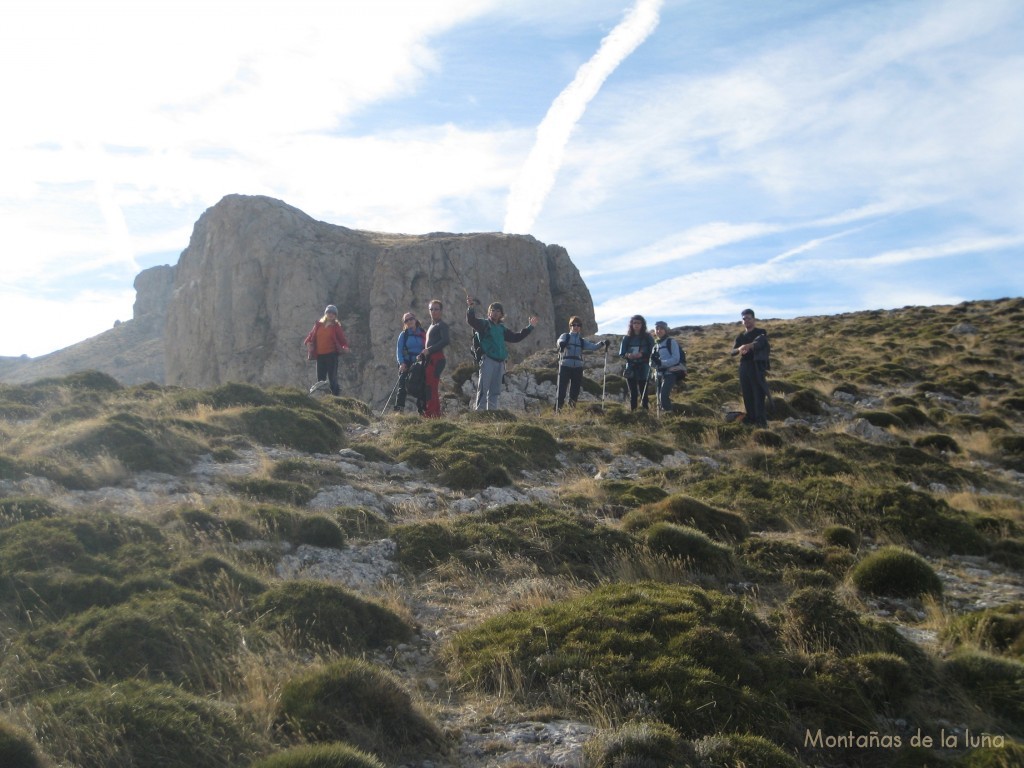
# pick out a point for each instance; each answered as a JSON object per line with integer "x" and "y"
{"x": 671, "y": 364}
{"x": 571, "y": 346}
{"x": 493, "y": 337}
{"x": 410, "y": 344}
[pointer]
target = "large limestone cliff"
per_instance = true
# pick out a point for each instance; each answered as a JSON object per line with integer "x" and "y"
{"x": 257, "y": 273}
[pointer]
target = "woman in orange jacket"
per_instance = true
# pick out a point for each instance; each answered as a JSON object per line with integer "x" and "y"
{"x": 324, "y": 343}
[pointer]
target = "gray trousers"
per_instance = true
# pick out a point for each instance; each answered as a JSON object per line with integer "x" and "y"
{"x": 489, "y": 387}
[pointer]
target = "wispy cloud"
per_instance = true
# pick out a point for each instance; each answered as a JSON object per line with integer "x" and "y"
{"x": 527, "y": 195}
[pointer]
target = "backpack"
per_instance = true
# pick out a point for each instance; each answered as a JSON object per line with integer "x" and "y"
{"x": 416, "y": 382}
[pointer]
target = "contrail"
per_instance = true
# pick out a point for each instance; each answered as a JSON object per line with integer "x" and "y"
{"x": 526, "y": 198}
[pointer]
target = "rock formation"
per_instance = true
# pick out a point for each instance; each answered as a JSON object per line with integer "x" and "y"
{"x": 257, "y": 273}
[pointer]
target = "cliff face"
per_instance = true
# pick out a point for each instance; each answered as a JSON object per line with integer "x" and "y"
{"x": 257, "y": 273}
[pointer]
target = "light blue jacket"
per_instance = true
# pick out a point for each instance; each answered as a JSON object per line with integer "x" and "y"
{"x": 575, "y": 345}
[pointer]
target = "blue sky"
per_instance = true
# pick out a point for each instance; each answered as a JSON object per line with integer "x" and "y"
{"x": 803, "y": 157}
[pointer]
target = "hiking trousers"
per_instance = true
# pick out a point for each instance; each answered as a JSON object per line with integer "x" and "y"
{"x": 489, "y": 387}
{"x": 327, "y": 370}
{"x": 754, "y": 387}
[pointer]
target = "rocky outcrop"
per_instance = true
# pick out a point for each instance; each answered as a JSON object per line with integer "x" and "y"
{"x": 132, "y": 351}
{"x": 257, "y": 273}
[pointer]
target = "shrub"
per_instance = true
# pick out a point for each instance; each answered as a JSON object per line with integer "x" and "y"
{"x": 994, "y": 683}
{"x": 684, "y": 510}
{"x": 631, "y": 494}
{"x": 813, "y": 619}
{"x": 1000, "y": 629}
{"x": 354, "y": 701}
{"x": 320, "y": 756}
{"x": 17, "y": 748}
{"x": 841, "y": 536}
{"x": 1008, "y": 755}
{"x": 320, "y": 531}
{"x": 904, "y": 512}
{"x": 297, "y": 428}
{"x": 937, "y": 442}
{"x": 17, "y": 509}
{"x": 325, "y": 614}
{"x": 884, "y": 419}
{"x": 138, "y": 443}
{"x": 689, "y": 544}
{"x": 670, "y": 649}
{"x": 638, "y": 744}
{"x": 262, "y": 489}
{"x": 136, "y": 724}
{"x": 806, "y": 401}
{"x": 896, "y": 572}
{"x": 911, "y": 415}
{"x": 158, "y": 638}
{"x": 742, "y": 749}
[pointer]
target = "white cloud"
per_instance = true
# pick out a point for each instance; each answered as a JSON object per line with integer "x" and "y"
{"x": 538, "y": 175}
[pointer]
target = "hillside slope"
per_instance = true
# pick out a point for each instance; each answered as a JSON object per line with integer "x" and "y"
{"x": 235, "y": 576}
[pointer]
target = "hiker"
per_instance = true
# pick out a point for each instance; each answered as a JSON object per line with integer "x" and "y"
{"x": 325, "y": 342}
{"x": 753, "y": 348}
{"x": 437, "y": 339}
{"x": 636, "y": 348}
{"x": 410, "y": 343}
{"x": 494, "y": 337}
{"x": 571, "y": 346}
{"x": 670, "y": 361}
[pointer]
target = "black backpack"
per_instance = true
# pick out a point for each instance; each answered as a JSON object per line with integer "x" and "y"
{"x": 416, "y": 382}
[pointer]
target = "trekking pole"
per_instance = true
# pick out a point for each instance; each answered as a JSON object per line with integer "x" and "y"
{"x": 457, "y": 275}
{"x": 388, "y": 401}
{"x": 558, "y": 379}
{"x": 643, "y": 396}
{"x": 604, "y": 376}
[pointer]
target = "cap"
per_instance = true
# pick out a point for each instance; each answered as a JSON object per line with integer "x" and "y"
{"x": 661, "y": 324}
{"x": 331, "y": 309}
{"x": 408, "y": 316}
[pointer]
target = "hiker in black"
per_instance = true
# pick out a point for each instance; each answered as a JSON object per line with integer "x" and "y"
{"x": 752, "y": 348}
{"x": 571, "y": 347}
{"x": 635, "y": 349}
{"x": 410, "y": 343}
{"x": 438, "y": 337}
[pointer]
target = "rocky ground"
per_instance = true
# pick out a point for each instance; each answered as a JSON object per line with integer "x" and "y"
{"x": 488, "y": 734}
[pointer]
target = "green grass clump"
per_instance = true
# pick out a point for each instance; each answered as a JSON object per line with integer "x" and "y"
{"x": 627, "y": 494}
{"x": 364, "y": 705}
{"x": 136, "y": 723}
{"x": 937, "y": 442}
{"x": 320, "y": 531}
{"x": 695, "y": 658}
{"x": 320, "y": 756}
{"x": 896, "y": 572}
{"x": 907, "y": 513}
{"x": 841, "y": 536}
{"x": 317, "y": 613}
{"x": 1007, "y": 755}
{"x": 740, "y": 749}
{"x": 138, "y": 442}
{"x": 18, "y": 749}
{"x": 297, "y": 428}
{"x": 557, "y": 541}
{"x": 155, "y": 637}
{"x": 998, "y": 630}
{"x": 685, "y": 510}
{"x": 691, "y": 545}
{"x": 265, "y": 489}
{"x": 16, "y": 509}
{"x": 993, "y": 682}
{"x": 642, "y": 743}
